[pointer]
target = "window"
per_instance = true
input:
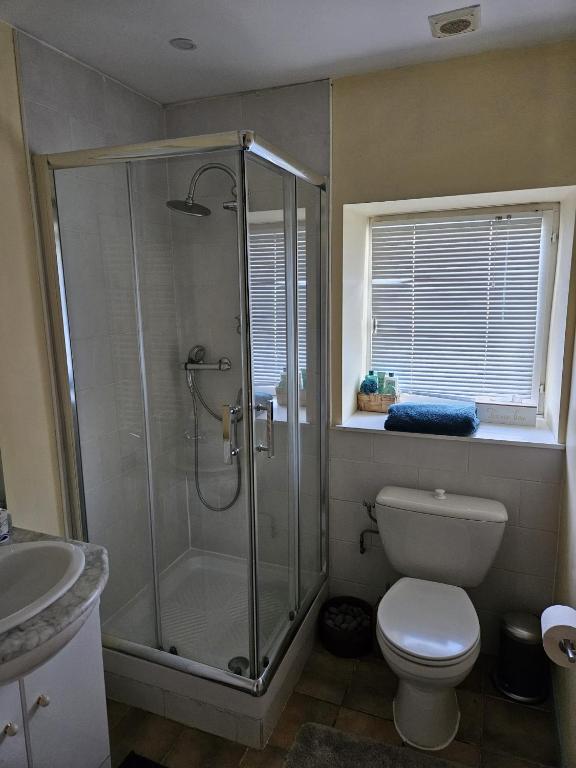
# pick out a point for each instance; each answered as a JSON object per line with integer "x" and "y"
{"x": 268, "y": 300}
{"x": 460, "y": 302}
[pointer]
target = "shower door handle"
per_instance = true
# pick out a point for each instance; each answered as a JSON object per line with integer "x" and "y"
{"x": 269, "y": 447}
{"x": 229, "y": 413}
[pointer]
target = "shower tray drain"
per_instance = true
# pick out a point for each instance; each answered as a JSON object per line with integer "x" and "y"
{"x": 239, "y": 665}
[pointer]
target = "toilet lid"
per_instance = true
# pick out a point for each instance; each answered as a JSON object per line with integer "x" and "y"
{"x": 428, "y": 620}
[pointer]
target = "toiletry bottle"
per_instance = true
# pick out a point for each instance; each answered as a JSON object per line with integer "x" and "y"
{"x": 391, "y": 385}
{"x": 370, "y": 384}
{"x": 381, "y": 382}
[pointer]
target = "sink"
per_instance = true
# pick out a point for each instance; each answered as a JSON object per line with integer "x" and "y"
{"x": 34, "y": 575}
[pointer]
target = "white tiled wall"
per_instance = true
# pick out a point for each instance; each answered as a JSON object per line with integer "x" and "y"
{"x": 295, "y": 118}
{"x": 205, "y": 264}
{"x": 69, "y": 106}
{"x": 525, "y": 479}
{"x": 166, "y": 403}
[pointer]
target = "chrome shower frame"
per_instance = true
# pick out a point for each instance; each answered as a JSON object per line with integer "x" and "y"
{"x": 64, "y": 394}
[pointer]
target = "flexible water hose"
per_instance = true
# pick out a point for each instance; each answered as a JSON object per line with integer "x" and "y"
{"x": 196, "y": 393}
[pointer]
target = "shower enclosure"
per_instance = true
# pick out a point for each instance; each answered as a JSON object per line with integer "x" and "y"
{"x": 187, "y": 303}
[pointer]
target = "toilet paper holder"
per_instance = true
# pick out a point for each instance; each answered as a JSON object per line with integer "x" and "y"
{"x": 567, "y": 647}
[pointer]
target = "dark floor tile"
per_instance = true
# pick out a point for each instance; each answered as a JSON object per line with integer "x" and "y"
{"x": 147, "y": 734}
{"x": 372, "y": 701}
{"x": 459, "y": 753}
{"x": 520, "y": 731}
{"x": 326, "y": 677}
{"x": 116, "y": 711}
{"x": 372, "y": 689}
{"x": 377, "y": 674}
{"x": 271, "y": 757}
{"x": 197, "y": 749}
{"x": 301, "y": 709}
{"x": 361, "y": 724}
{"x": 493, "y": 760}
{"x": 471, "y": 716}
{"x": 474, "y": 681}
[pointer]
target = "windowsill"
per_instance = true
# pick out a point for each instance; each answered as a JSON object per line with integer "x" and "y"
{"x": 497, "y": 434}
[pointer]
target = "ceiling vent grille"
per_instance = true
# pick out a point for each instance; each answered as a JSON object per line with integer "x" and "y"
{"x": 458, "y": 22}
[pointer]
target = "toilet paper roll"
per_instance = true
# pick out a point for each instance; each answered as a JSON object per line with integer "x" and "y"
{"x": 558, "y": 625}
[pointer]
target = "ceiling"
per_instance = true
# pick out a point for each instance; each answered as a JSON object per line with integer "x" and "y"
{"x": 251, "y": 44}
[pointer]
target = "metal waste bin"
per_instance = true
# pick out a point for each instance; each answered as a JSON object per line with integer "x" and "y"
{"x": 522, "y": 669}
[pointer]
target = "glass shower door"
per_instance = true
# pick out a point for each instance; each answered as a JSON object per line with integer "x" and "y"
{"x": 191, "y": 296}
{"x": 268, "y": 224}
{"x": 310, "y": 445}
{"x": 99, "y": 281}
{"x": 189, "y": 302}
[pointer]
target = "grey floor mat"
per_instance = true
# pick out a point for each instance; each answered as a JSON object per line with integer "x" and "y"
{"x": 318, "y": 746}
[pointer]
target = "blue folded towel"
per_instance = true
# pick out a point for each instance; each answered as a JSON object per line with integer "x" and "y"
{"x": 431, "y": 419}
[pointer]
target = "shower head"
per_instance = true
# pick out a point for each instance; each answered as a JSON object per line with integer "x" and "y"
{"x": 189, "y": 207}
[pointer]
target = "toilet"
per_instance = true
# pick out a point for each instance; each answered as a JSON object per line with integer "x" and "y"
{"x": 427, "y": 627}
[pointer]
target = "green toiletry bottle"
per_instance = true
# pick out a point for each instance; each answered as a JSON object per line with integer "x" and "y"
{"x": 391, "y": 385}
{"x": 373, "y": 376}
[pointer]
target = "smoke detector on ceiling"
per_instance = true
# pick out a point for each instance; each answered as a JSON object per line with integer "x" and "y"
{"x": 458, "y": 22}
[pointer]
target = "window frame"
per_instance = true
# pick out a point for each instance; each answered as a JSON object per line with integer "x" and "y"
{"x": 546, "y": 280}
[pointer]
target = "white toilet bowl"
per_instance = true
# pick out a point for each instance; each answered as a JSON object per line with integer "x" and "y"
{"x": 430, "y": 636}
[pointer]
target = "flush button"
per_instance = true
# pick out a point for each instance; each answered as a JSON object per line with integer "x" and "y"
{"x": 439, "y": 493}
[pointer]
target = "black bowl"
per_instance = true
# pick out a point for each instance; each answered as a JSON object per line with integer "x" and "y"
{"x": 342, "y": 636}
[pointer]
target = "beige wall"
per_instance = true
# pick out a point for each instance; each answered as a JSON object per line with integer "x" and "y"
{"x": 27, "y": 429}
{"x": 564, "y": 679}
{"x": 498, "y": 121}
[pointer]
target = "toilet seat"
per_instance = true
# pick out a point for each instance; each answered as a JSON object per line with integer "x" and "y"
{"x": 428, "y": 623}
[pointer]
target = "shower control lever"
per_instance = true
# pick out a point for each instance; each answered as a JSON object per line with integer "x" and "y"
{"x": 269, "y": 447}
{"x": 223, "y": 364}
{"x": 229, "y": 414}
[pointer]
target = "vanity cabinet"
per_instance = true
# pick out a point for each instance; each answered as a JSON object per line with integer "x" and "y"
{"x": 59, "y": 709}
{"x": 12, "y": 738}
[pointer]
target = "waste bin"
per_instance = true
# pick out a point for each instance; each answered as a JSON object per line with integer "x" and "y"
{"x": 522, "y": 669}
{"x": 346, "y": 626}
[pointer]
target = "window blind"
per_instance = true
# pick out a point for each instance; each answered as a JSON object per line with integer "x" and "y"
{"x": 267, "y": 275}
{"x": 455, "y": 303}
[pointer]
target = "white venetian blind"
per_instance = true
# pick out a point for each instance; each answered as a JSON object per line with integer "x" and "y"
{"x": 267, "y": 275}
{"x": 455, "y": 303}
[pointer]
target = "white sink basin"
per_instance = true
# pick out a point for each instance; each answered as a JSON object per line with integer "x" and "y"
{"x": 33, "y": 576}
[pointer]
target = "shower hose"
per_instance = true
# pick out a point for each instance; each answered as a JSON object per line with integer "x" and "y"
{"x": 197, "y": 396}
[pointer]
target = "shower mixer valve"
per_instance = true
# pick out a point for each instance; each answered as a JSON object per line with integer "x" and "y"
{"x": 196, "y": 362}
{"x": 223, "y": 364}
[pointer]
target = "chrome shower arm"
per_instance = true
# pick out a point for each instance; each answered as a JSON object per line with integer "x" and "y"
{"x": 209, "y": 167}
